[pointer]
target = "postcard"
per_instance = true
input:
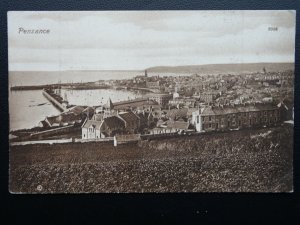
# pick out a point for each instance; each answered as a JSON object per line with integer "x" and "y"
{"x": 151, "y": 101}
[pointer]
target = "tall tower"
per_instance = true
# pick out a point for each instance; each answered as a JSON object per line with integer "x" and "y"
{"x": 146, "y": 75}
{"x": 264, "y": 70}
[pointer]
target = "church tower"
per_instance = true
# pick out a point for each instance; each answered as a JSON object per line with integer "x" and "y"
{"x": 109, "y": 105}
{"x": 108, "y": 109}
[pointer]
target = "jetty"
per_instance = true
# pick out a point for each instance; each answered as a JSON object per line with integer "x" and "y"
{"x": 56, "y": 100}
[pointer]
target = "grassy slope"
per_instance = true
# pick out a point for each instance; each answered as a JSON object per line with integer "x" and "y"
{"x": 241, "y": 161}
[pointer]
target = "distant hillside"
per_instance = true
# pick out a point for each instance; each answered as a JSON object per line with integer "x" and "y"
{"x": 223, "y": 68}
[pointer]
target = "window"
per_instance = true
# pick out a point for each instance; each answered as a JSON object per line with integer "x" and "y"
{"x": 198, "y": 119}
{"x": 209, "y": 118}
{"x": 209, "y": 125}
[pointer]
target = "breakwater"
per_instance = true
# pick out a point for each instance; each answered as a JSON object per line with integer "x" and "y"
{"x": 35, "y": 87}
{"x": 74, "y": 86}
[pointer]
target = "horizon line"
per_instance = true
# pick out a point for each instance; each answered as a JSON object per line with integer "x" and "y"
{"x": 65, "y": 70}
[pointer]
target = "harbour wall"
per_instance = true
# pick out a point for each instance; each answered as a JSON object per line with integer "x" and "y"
{"x": 54, "y": 100}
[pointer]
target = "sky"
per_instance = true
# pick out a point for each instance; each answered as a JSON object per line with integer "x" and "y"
{"x": 135, "y": 40}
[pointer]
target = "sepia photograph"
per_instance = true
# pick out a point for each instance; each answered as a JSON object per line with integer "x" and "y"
{"x": 161, "y": 101}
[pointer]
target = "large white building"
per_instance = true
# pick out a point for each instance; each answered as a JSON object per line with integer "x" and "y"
{"x": 91, "y": 130}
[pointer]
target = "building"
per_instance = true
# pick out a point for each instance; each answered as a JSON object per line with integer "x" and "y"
{"x": 64, "y": 119}
{"x": 91, "y": 129}
{"x": 131, "y": 120}
{"x": 208, "y": 97}
{"x": 286, "y": 110}
{"x": 212, "y": 118}
{"x": 108, "y": 127}
{"x": 171, "y": 127}
{"x": 189, "y": 102}
{"x": 107, "y": 109}
{"x": 112, "y": 125}
{"x": 175, "y": 95}
{"x": 161, "y": 98}
{"x": 176, "y": 114}
{"x": 146, "y": 119}
{"x": 178, "y": 126}
{"x": 153, "y": 84}
{"x": 134, "y": 104}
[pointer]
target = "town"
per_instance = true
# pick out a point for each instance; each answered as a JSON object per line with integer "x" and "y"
{"x": 151, "y": 101}
{"x": 171, "y": 105}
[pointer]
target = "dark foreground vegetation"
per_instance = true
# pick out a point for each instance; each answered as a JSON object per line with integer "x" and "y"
{"x": 248, "y": 161}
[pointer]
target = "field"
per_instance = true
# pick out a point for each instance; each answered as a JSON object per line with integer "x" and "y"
{"x": 249, "y": 161}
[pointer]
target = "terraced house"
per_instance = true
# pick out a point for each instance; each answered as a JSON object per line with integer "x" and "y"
{"x": 212, "y": 118}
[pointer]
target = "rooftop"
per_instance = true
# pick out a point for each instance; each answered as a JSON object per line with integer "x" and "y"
{"x": 129, "y": 116}
{"x": 219, "y": 110}
{"x": 92, "y": 123}
{"x": 178, "y": 125}
{"x": 114, "y": 121}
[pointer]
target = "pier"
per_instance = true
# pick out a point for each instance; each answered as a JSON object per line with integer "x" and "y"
{"x": 55, "y": 99}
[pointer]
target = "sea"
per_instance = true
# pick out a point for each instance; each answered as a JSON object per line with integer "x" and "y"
{"x": 28, "y": 108}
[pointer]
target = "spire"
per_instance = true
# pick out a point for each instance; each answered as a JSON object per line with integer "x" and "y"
{"x": 109, "y": 104}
